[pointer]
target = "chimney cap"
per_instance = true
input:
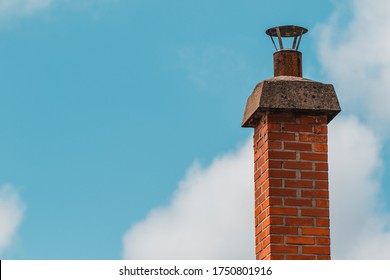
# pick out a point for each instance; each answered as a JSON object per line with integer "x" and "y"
{"x": 286, "y": 31}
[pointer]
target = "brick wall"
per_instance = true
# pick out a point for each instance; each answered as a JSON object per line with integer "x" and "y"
{"x": 291, "y": 187}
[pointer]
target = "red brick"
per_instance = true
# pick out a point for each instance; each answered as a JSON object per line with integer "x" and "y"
{"x": 283, "y": 230}
{"x": 257, "y": 155}
{"x": 272, "y": 220}
{"x": 275, "y": 163}
{"x": 261, "y": 184}
{"x": 264, "y": 148}
{"x": 258, "y": 249}
{"x": 275, "y": 201}
{"x": 322, "y": 203}
{"x": 303, "y": 165}
{"x": 323, "y": 240}
{"x": 264, "y": 254}
{"x": 257, "y": 176}
{"x": 266, "y": 241}
{"x": 321, "y": 166}
{"x": 256, "y": 137}
{"x": 300, "y": 257}
{"x": 315, "y": 175}
{"x": 321, "y": 184}
{"x": 262, "y": 197}
{"x": 277, "y": 239}
{"x": 264, "y": 130}
{"x": 273, "y": 127}
{"x": 266, "y": 192}
{"x": 274, "y": 145}
{"x": 283, "y": 192}
{"x": 276, "y": 220}
{"x": 262, "y": 200}
{"x": 265, "y": 204}
{"x": 257, "y": 211}
{"x": 261, "y": 159}
{"x": 300, "y": 240}
{"x": 321, "y": 250}
{"x": 282, "y": 155}
{"x": 257, "y": 203}
{"x": 264, "y": 166}
{"x": 314, "y": 231}
{"x": 263, "y": 233}
{"x": 322, "y": 222}
{"x": 261, "y": 177}
{"x": 258, "y": 230}
{"x": 299, "y": 221}
{"x": 257, "y": 240}
{"x": 283, "y": 249}
{"x": 323, "y": 148}
{"x": 258, "y": 142}
{"x": 281, "y": 136}
{"x": 284, "y": 211}
{"x": 320, "y": 129}
{"x": 277, "y": 257}
{"x": 297, "y": 202}
{"x": 315, "y": 193}
{"x": 259, "y": 163}
{"x": 298, "y": 183}
{"x": 312, "y": 138}
{"x": 279, "y": 173}
{"x": 266, "y": 222}
{"x": 298, "y": 127}
{"x": 260, "y": 219}
{"x": 296, "y": 146}
{"x": 258, "y": 193}
{"x": 314, "y": 212}
{"x": 313, "y": 156}
{"x": 275, "y": 182}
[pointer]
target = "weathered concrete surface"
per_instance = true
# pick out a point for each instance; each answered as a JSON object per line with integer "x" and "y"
{"x": 291, "y": 94}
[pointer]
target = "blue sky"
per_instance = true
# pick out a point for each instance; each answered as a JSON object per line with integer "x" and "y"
{"x": 117, "y": 115}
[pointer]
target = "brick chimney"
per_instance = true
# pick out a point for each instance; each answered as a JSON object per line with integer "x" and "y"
{"x": 290, "y": 117}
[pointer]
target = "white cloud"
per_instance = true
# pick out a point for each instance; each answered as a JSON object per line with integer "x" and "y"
{"x": 354, "y": 54}
{"x": 11, "y": 214}
{"x": 22, "y": 7}
{"x": 209, "y": 217}
{"x": 357, "y": 227}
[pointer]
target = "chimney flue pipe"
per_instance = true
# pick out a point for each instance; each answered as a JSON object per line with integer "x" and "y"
{"x": 287, "y": 61}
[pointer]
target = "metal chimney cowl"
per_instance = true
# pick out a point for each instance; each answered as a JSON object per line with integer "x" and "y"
{"x": 288, "y": 91}
{"x": 287, "y": 61}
